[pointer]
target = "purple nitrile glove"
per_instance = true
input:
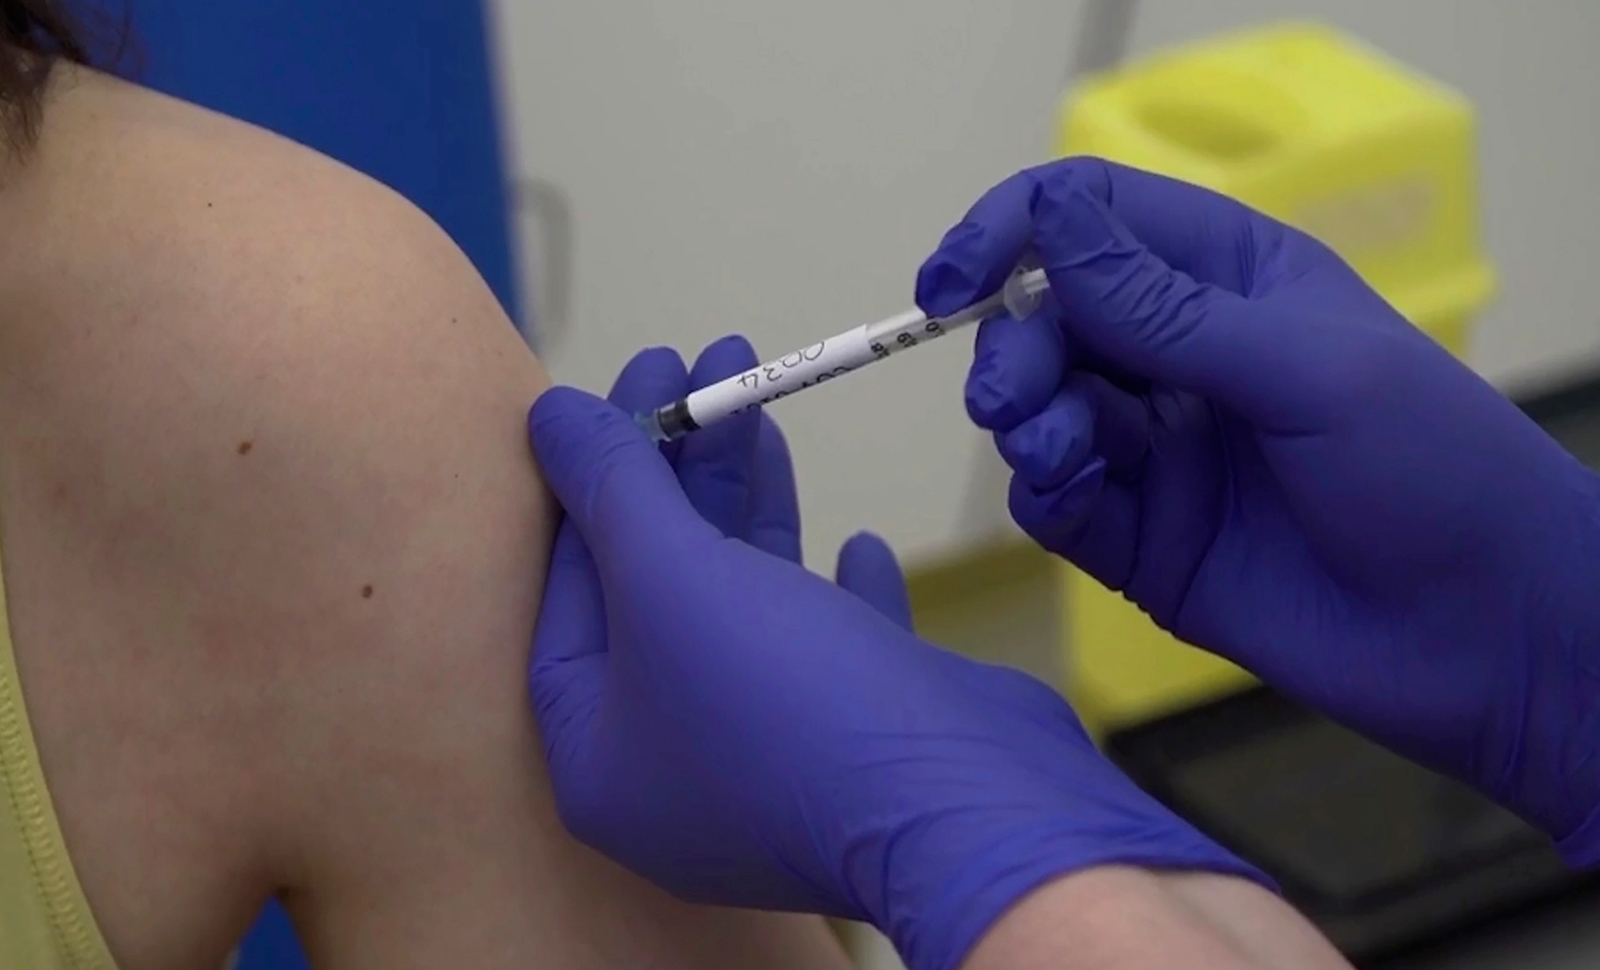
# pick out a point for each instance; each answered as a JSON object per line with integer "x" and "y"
{"x": 1214, "y": 415}
{"x": 743, "y": 732}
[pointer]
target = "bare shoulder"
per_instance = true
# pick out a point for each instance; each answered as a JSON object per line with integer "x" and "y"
{"x": 159, "y": 212}
{"x": 261, "y": 439}
{"x": 192, "y": 261}
{"x": 274, "y": 547}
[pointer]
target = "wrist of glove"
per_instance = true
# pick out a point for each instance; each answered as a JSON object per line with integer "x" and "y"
{"x": 952, "y": 896}
{"x": 962, "y": 823}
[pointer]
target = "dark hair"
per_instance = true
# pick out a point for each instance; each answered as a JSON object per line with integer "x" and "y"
{"x": 34, "y": 34}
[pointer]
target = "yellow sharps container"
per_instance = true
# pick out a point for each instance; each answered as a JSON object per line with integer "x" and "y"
{"x": 1324, "y": 133}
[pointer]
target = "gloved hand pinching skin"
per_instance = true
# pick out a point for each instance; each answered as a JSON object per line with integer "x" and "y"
{"x": 743, "y": 732}
{"x": 1214, "y": 415}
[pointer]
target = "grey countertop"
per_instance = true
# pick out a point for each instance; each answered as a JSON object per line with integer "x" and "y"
{"x": 1561, "y": 935}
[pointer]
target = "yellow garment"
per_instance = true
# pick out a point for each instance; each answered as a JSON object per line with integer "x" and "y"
{"x": 45, "y": 923}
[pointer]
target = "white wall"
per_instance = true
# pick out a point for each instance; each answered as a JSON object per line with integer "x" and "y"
{"x": 779, "y": 169}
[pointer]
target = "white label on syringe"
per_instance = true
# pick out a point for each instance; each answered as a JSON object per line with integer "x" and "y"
{"x": 783, "y": 376}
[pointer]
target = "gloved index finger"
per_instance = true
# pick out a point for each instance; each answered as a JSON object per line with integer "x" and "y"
{"x": 1124, "y": 305}
{"x": 978, "y": 253}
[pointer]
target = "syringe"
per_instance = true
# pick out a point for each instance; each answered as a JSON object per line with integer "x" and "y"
{"x": 834, "y": 357}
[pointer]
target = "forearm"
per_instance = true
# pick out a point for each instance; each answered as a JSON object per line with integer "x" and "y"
{"x": 1129, "y": 919}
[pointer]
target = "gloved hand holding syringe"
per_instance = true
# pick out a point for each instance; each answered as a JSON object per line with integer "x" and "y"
{"x": 834, "y": 357}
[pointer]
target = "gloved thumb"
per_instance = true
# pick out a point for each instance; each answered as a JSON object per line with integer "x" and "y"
{"x": 1137, "y": 313}
{"x": 611, "y": 479}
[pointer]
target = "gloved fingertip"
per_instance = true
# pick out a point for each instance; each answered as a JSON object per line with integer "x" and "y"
{"x": 656, "y": 356}
{"x": 868, "y": 568}
{"x": 550, "y": 410}
{"x": 866, "y": 548}
{"x": 652, "y": 377}
{"x": 987, "y": 396}
{"x": 1052, "y": 517}
{"x": 945, "y": 286}
{"x": 652, "y": 364}
{"x": 962, "y": 238}
{"x": 722, "y": 358}
{"x": 1036, "y": 453}
{"x": 1017, "y": 367}
{"x": 735, "y": 342}
{"x": 1053, "y": 446}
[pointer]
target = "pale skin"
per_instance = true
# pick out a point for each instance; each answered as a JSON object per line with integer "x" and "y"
{"x": 273, "y": 552}
{"x": 274, "y": 548}
{"x": 1129, "y": 919}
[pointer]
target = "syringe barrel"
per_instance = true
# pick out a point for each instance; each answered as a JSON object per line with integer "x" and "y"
{"x": 834, "y": 357}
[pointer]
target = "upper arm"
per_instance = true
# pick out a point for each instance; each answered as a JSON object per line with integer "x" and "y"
{"x": 300, "y": 484}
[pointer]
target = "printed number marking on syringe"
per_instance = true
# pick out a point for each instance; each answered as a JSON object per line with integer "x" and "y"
{"x": 820, "y": 362}
{"x": 774, "y": 371}
{"x": 835, "y": 357}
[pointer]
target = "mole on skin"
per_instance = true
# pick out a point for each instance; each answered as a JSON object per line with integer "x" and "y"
{"x": 366, "y": 592}
{"x": 245, "y": 446}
